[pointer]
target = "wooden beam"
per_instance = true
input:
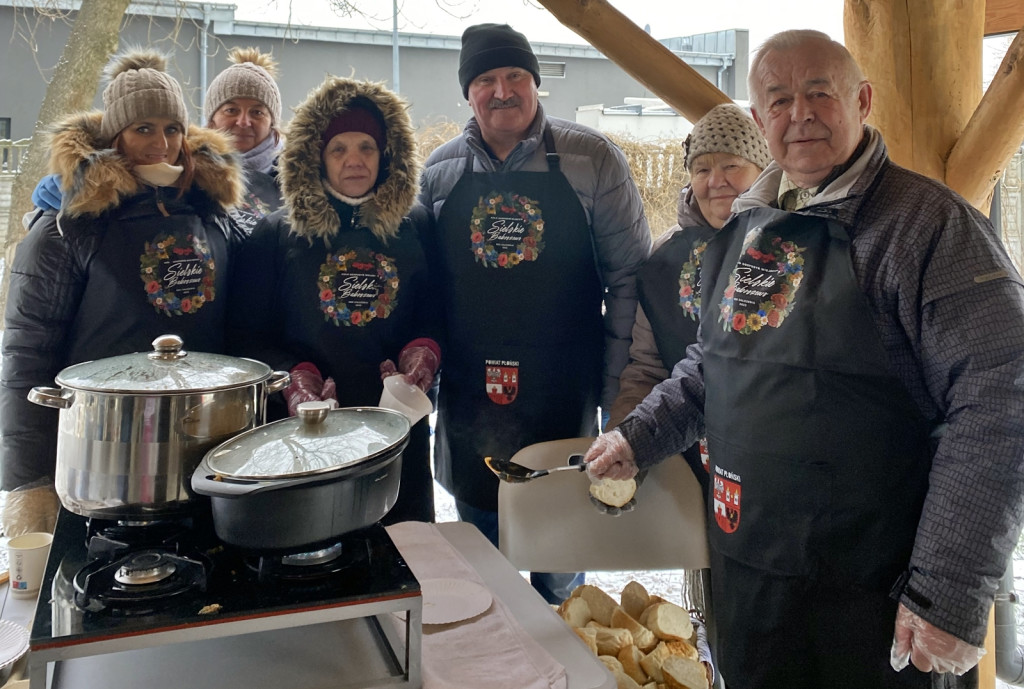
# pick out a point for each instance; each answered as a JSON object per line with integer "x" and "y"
{"x": 640, "y": 55}
{"x": 1003, "y": 16}
{"x": 993, "y": 134}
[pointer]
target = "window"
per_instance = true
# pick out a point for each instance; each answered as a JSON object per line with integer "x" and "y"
{"x": 5, "y": 127}
{"x": 554, "y": 70}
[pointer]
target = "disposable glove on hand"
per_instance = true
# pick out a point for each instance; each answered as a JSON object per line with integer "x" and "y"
{"x": 610, "y": 456}
{"x": 928, "y": 647}
{"x": 417, "y": 364}
{"x": 47, "y": 194}
{"x": 612, "y": 510}
{"x": 30, "y": 508}
{"x": 307, "y": 385}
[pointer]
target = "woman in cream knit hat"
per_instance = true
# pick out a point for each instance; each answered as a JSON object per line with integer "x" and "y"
{"x": 725, "y": 152}
{"x": 139, "y": 248}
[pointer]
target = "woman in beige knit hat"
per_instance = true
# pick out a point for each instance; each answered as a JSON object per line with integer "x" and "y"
{"x": 725, "y": 152}
{"x": 139, "y": 248}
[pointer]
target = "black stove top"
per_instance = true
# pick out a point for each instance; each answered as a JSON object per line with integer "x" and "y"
{"x": 111, "y": 579}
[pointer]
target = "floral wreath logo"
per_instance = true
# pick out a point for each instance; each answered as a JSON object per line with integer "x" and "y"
{"x": 168, "y": 301}
{"x": 363, "y": 261}
{"x": 514, "y": 205}
{"x": 689, "y": 297}
{"x": 771, "y": 312}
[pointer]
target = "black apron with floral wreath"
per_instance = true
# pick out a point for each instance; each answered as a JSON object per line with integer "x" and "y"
{"x": 669, "y": 290}
{"x": 525, "y": 343}
{"x": 819, "y": 460}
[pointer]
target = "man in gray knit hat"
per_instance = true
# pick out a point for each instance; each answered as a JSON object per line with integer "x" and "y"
{"x": 541, "y": 230}
{"x": 860, "y": 381}
{"x": 244, "y": 100}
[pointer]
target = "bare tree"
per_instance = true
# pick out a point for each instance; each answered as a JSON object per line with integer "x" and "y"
{"x": 92, "y": 41}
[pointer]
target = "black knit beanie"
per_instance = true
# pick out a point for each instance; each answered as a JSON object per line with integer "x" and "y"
{"x": 489, "y": 46}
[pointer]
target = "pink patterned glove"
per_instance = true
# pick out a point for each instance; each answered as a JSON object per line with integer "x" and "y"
{"x": 610, "y": 456}
{"x": 306, "y": 386}
{"x": 417, "y": 363}
{"x": 928, "y": 647}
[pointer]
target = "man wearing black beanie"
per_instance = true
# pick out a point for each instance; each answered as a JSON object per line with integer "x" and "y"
{"x": 541, "y": 230}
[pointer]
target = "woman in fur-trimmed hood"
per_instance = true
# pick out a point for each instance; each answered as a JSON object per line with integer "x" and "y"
{"x": 336, "y": 285}
{"x": 140, "y": 248}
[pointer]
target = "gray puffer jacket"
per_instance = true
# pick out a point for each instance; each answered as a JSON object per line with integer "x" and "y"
{"x": 598, "y": 172}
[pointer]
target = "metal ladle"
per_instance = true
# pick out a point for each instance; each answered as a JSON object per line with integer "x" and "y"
{"x": 507, "y": 470}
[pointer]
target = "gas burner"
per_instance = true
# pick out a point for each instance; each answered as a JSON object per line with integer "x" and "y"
{"x": 139, "y": 582}
{"x": 343, "y": 561}
{"x": 314, "y": 557}
{"x": 108, "y": 539}
{"x": 148, "y": 567}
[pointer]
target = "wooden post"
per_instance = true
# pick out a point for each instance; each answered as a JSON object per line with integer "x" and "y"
{"x": 924, "y": 59}
{"x": 642, "y": 57}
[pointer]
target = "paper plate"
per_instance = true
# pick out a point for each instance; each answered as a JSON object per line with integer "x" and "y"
{"x": 13, "y": 642}
{"x": 452, "y": 600}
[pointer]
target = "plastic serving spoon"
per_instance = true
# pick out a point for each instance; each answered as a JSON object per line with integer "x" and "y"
{"x": 508, "y": 470}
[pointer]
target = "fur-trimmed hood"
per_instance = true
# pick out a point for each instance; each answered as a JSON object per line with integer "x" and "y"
{"x": 96, "y": 178}
{"x": 310, "y": 213}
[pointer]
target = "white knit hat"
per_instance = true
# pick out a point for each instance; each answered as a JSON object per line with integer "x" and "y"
{"x": 139, "y": 88}
{"x": 726, "y": 128}
{"x": 251, "y": 76}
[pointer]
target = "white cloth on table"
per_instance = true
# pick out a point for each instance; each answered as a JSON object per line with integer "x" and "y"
{"x": 491, "y": 650}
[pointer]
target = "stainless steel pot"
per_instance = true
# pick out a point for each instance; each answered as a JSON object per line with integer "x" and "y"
{"x": 299, "y": 482}
{"x": 133, "y": 428}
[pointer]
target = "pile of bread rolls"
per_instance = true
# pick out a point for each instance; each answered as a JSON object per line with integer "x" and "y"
{"x": 645, "y": 641}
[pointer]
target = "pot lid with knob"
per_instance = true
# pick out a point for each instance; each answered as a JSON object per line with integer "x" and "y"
{"x": 317, "y": 441}
{"x": 168, "y": 369}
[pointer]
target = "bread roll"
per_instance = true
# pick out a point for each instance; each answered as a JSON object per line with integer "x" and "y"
{"x": 630, "y": 658}
{"x": 683, "y": 673}
{"x": 622, "y": 680}
{"x": 610, "y": 640}
{"x": 589, "y": 637}
{"x": 654, "y": 600}
{"x": 670, "y": 622}
{"x": 613, "y": 492}
{"x": 601, "y": 604}
{"x": 575, "y": 612}
{"x": 634, "y": 599}
{"x": 643, "y": 638}
{"x": 682, "y": 648}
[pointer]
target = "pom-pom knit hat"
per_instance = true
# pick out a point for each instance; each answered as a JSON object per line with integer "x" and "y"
{"x": 252, "y": 75}
{"x": 138, "y": 88}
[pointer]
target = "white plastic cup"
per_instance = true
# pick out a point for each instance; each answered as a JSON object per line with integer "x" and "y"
{"x": 26, "y": 558}
{"x": 407, "y": 399}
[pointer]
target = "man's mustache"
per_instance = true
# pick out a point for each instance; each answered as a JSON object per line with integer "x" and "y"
{"x": 497, "y": 103}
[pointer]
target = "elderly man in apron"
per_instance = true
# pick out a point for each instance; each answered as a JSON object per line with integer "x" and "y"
{"x": 860, "y": 377}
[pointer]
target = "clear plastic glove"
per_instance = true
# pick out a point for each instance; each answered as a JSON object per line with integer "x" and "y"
{"x": 417, "y": 364}
{"x": 928, "y": 647}
{"x": 612, "y": 510}
{"x": 47, "y": 194}
{"x": 610, "y": 456}
{"x": 307, "y": 385}
{"x": 30, "y": 508}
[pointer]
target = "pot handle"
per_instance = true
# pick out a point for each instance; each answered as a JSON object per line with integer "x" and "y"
{"x": 55, "y": 398}
{"x": 205, "y": 483}
{"x": 278, "y": 381}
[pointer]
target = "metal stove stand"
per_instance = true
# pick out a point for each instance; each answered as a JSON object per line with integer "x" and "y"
{"x": 356, "y": 646}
